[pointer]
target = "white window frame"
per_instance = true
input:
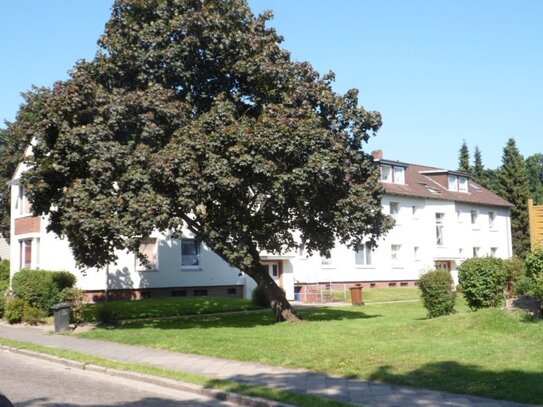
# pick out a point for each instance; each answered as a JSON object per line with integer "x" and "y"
{"x": 399, "y": 174}
{"x": 386, "y": 173}
{"x": 474, "y": 214}
{"x": 453, "y": 182}
{"x": 440, "y": 217}
{"x": 491, "y": 219}
{"x": 395, "y": 253}
{"x": 476, "y": 251}
{"x": 196, "y": 260}
{"x": 363, "y": 255}
{"x": 394, "y": 209}
{"x": 493, "y": 252}
{"x": 462, "y": 184}
{"x": 151, "y": 242}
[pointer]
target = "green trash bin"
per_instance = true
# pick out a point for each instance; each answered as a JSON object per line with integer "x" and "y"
{"x": 61, "y": 313}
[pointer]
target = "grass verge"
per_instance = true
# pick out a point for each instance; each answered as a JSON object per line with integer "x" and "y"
{"x": 490, "y": 353}
{"x": 225, "y": 385}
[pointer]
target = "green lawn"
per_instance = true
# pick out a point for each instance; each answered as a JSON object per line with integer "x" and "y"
{"x": 489, "y": 353}
{"x": 389, "y": 294}
{"x": 170, "y": 307}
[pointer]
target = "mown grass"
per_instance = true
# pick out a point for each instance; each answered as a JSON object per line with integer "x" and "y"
{"x": 489, "y": 353}
{"x": 168, "y": 307}
{"x": 226, "y": 385}
{"x": 371, "y": 295}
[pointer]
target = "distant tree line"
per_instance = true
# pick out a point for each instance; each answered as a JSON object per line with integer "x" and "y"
{"x": 516, "y": 180}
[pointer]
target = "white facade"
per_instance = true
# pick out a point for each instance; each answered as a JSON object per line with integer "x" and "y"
{"x": 436, "y": 226}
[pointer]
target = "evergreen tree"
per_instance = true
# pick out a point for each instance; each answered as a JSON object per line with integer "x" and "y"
{"x": 463, "y": 159}
{"x": 478, "y": 167}
{"x": 534, "y": 168}
{"x": 513, "y": 185}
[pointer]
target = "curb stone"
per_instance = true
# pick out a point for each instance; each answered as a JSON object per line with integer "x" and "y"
{"x": 156, "y": 380}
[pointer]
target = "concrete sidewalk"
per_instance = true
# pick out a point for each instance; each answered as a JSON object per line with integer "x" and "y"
{"x": 354, "y": 391}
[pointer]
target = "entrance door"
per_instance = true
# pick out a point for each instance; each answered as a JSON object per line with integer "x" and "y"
{"x": 443, "y": 265}
{"x": 273, "y": 269}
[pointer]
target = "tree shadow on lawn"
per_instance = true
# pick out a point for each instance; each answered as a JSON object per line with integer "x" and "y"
{"x": 243, "y": 320}
{"x": 451, "y": 376}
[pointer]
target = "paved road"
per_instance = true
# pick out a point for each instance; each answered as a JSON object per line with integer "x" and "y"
{"x": 33, "y": 382}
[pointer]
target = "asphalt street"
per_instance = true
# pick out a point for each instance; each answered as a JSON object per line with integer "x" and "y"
{"x": 27, "y": 381}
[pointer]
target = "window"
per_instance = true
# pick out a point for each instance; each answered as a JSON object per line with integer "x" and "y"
{"x": 393, "y": 174}
{"x": 326, "y": 260}
{"x": 386, "y": 173}
{"x": 399, "y": 175}
{"x": 179, "y": 293}
{"x": 414, "y": 210}
{"x": 493, "y": 251}
{"x": 463, "y": 184}
{"x": 491, "y": 219}
{"x": 231, "y": 291}
{"x": 457, "y": 183}
{"x": 439, "y": 229}
{"x": 25, "y": 250}
{"x": 453, "y": 183}
{"x": 476, "y": 251}
{"x": 473, "y": 217}
{"x": 148, "y": 249}
{"x": 22, "y": 205}
{"x": 394, "y": 209}
{"x": 200, "y": 293}
{"x": 363, "y": 255}
{"x": 395, "y": 252}
{"x": 190, "y": 253}
{"x": 416, "y": 253}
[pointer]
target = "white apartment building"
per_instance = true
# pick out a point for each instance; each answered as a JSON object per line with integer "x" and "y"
{"x": 442, "y": 217}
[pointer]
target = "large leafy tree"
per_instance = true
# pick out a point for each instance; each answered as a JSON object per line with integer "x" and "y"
{"x": 534, "y": 169}
{"x": 191, "y": 115}
{"x": 512, "y": 184}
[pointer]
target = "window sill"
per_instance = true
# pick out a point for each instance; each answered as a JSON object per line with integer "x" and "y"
{"x": 151, "y": 270}
{"x": 365, "y": 266}
{"x": 398, "y": 267}
{"x": 328, "y": 266}
{"x": 191, "y": 268}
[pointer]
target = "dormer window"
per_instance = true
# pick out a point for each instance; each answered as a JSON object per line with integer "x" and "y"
{"x": 394, "y": 174}
{"x": 458, "y": 183}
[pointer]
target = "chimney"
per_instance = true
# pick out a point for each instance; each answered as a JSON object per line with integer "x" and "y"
{"x": 377, "y": 154}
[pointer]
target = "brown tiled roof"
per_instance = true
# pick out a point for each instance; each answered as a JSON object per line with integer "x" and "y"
{"x": 418, "y": 184}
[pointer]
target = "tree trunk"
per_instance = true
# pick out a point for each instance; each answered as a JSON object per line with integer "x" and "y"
{"x": 278, "y": 301}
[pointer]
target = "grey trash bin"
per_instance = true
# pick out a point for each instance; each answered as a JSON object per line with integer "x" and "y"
{"x": 61, "y": 313}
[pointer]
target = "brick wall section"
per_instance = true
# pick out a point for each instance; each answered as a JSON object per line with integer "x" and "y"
{"x": 140, "y": 293}
{"x": 29, "y": 224}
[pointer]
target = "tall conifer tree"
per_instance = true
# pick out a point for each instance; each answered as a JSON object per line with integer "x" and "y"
{"x": 463, "y": 159}
{"x": 512, "y": 185}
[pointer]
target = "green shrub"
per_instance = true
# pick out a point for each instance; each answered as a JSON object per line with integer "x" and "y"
{"x": 32, "y": 315}
{"x": 14, "y": 310}
{"x": 74, "y": 296}
{"x": 537, "y": 292}
{"x": 41, "y": 288}
{"x": 437, "y": 294}
{"x": 259, "y": 298}
{"x": 63, "y": 279}
{"x": 483, "y": 281}
{"x": 107, "y": 314}
{"x": 534, "y": 263}
{"x": 515, "y": 270}
{"x": 36, "y": 287}
{"x": 525, "y": 286}
{"x": 4, "y": 275}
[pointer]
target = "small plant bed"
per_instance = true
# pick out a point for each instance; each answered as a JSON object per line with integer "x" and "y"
{"x": 490, "y": 352}
{"x": 165, "y": 307}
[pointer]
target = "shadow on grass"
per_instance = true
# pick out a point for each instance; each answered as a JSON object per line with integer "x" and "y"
{"x": 243, "y": 320}
{"x": 514, "y": 385}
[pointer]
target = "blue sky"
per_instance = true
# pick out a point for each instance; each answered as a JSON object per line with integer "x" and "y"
{"x": 439, "y": 71}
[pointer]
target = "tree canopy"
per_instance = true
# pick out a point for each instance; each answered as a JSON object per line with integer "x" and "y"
{"x": 192, "y": 115}
{"x": 534, "y": 169}
{"x": 463, "y": 158}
